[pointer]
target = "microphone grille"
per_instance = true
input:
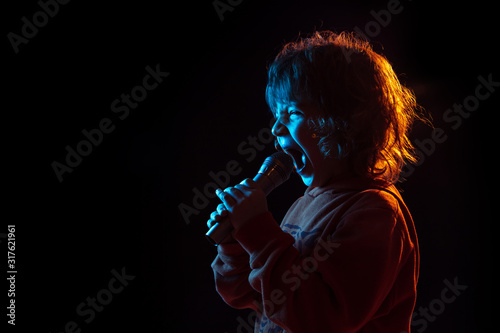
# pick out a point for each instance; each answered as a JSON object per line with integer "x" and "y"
{"x": 283, "y": 164}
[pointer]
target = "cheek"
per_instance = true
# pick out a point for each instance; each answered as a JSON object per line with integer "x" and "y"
{"x": 304, "y": 136}
{"x": 303, "y": 133}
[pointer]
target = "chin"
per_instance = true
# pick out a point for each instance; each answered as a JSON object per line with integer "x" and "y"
{"x": 307, "y": 180}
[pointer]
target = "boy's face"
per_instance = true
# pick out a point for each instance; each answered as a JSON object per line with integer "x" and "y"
{"x": 298, "y": 140}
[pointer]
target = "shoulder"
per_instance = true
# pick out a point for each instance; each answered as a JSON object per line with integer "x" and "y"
{"x": 378, "y": 198}
{"x": 376, "y": 212}
{"x": 365, "y": 199}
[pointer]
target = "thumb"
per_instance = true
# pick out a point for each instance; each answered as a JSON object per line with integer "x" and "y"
{"x": 250, "y": 183}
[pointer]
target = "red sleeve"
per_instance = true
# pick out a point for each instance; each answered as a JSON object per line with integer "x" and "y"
{"x": 340, "y": 286}
{"x": 231, "y": 269}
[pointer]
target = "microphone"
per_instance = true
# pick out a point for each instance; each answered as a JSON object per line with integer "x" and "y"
{"x": 275, "y": 170}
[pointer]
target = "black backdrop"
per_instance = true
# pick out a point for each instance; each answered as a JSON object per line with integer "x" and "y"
{"x": 117, "y": 212}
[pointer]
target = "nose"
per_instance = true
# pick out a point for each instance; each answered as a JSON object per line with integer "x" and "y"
{"x": 278, "y": 128}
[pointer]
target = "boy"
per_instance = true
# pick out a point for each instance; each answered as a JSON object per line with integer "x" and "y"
{"x": 345, "y": 258}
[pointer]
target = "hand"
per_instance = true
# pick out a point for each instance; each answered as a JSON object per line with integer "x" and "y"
{"x": 243, "y": 202}
{"x": 218, "y": 216}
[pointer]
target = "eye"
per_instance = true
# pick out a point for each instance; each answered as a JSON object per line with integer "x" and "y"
{"x": 293, "y": 112}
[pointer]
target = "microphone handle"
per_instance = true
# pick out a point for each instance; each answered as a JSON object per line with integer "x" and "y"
{"x": 220, "y": 230}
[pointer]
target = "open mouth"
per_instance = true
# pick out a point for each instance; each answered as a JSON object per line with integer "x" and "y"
{"x": 299, "y": 158}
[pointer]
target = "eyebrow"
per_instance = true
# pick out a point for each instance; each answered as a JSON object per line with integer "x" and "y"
{"x": 284, "y": 109}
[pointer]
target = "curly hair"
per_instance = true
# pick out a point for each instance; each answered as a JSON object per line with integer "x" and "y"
{"x": 365, "y": 113}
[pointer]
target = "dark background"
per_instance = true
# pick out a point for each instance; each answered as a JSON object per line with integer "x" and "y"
{"x": 119, "y": 207}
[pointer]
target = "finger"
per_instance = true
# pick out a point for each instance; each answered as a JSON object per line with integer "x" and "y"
{"x": 210, "y": 223}
{"x": 237, "y": 192}
{"x": 215, "y": 216}
{"x": 244, "y": 189}
{"x": 222, "y": 210}
{"x": 219, "y": 214}
{"x": 249, "y": 183}
{"x": 226, "y": 196}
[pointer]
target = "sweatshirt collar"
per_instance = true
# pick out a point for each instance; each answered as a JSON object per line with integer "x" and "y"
{"x": 347, "y": 182}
